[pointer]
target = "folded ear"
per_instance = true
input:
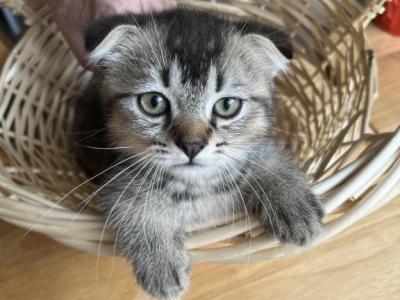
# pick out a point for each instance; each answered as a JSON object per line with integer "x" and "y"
{"x": 108, "y": 47}
{"x": 265, "y": 54}
{"x": 277, "y": 36}
{"x": 270, "y": 44}
{"x": 103, "y": 37}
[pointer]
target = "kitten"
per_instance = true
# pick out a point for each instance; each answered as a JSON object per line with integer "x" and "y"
{"x": 181, "y": 105}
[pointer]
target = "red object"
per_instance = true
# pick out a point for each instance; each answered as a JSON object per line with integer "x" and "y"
{"x": 390, "y": 19}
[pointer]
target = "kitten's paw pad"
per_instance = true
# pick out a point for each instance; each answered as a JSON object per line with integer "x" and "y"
{"x": 165, "y": 280}
{"x": 299, "y": 222}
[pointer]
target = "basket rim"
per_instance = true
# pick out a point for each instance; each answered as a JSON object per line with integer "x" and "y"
{"x": 380, "y": 165}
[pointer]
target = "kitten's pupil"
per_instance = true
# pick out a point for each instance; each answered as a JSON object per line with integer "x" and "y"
{"x": 156, "y": 101}
{"x": 228, "y": 102}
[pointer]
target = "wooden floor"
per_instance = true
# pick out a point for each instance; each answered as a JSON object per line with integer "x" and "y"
{"x": 362, "y": 263}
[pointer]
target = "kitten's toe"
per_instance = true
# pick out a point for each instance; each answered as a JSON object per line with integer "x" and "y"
{"x": 165, "y": 280}
{"x": 298, "y": 223}
{"x": 299, "y": 231}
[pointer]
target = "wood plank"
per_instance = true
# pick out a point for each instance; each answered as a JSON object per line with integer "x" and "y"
{"x": 386, "y": 111}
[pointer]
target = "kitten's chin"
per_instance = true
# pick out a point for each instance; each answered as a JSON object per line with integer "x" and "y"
{"x": 190, "y": 171}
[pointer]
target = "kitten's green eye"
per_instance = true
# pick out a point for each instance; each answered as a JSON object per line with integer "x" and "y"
{"x": 153, "y": 104}
{"x": 227, "y": 107}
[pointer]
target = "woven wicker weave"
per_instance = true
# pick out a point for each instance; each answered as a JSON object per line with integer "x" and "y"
{"x": 325, "y": 103}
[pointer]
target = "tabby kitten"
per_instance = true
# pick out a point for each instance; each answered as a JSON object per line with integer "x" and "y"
{"x": 181, "y": 106}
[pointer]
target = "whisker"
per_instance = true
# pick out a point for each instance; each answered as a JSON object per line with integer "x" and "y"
{"x": 85, "y": 131}
{"x": 104, "y": 148}
{"x": 76, "y": 188}
{"x": 258, "y": 196}
{"x": 86, "y": 202}
{"x": 241, "y": 197}
{"x": 113, "y": 256}
{"x": 224, "y": 191}
{"x": 89, "y": 136}
{"x": 275, "y": 175}
{"x": 246, "y": 149}
{"x": 145, "y": 207}
{"x": 151, "y": 185}
{"x": 231, "y": 196}
{"x": 281, "y": 130}
{"x": 112, "y": 210}
{"x": 121, "y": 223}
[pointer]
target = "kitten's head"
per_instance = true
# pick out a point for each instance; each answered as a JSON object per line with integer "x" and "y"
{"x": 192, "y": 88}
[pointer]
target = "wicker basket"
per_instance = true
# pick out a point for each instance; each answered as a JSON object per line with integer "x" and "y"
{"x": 325, "y": 103}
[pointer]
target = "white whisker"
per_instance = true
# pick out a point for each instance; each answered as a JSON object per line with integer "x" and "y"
{"x": 276, "y": 176}
{"x": 121, "y": 223}
{"x": 86, "y": 201}
{"x": 76, "y": 188}
{"x": 104, "y": 148}
{"x": 258, "y": 196}
{"x": 113, "y": 207}
{"x": 241, "y": 197}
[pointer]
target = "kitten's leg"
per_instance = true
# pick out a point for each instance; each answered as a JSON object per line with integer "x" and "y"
{"x": 152, "y": 241}
{"x": 286, "y": 204}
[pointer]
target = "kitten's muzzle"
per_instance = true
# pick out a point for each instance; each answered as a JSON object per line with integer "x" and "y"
{"x": 191, "y": 147}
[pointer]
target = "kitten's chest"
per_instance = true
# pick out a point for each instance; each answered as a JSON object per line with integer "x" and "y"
{"x": 209, "y": 211}
{"x": 203, "y": 206}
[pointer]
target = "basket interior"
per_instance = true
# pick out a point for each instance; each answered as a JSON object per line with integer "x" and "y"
{"x": 323, "y": 101}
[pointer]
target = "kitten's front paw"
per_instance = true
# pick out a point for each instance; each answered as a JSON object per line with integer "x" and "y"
{"x": 165, "y": 277}
{"x": 296, "y": 218}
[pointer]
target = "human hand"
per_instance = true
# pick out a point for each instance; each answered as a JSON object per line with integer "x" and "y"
{"x": 72, "y": 16}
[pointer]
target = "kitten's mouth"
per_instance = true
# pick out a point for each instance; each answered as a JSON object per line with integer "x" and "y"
{"x": 189, "y": 164}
